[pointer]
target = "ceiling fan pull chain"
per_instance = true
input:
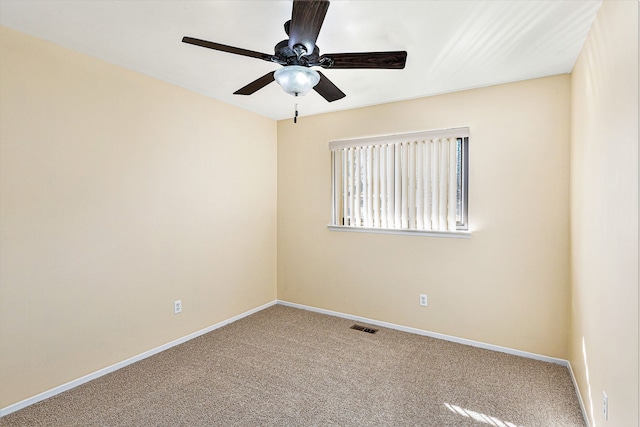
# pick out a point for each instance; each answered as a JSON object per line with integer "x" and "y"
{"x": 295, "y": 117}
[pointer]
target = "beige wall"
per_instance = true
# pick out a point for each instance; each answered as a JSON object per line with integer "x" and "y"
{"x": 604, "y": 216}
{"x": 508, "y": 285}
{"x": 120, "y": 194}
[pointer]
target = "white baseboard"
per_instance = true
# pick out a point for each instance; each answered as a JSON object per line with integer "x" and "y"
{"x": 582, "y": 407}
{"x": 431, "y": 334}
{"x": 71, "y": 384}
{"x": 458, "y": 340}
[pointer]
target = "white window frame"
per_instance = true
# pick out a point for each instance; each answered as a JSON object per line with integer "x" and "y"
{"x": 426, "y": 192}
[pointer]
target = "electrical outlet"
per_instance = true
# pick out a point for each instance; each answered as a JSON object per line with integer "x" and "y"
{"x": 605, "y": 406}
{"x": 177, "y": 306}
{"x": 423, "y": 300}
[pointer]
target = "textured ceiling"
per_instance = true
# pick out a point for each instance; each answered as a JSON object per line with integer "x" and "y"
{"x": 451, "y": 45}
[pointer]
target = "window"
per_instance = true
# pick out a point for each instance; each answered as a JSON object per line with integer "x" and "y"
{"x": 414, "y": 182}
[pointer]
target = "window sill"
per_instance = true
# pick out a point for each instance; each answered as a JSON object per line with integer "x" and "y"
{"x": 427, "y": 233}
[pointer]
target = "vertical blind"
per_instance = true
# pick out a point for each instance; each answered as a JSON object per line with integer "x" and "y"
{"x": 408, "y": 181}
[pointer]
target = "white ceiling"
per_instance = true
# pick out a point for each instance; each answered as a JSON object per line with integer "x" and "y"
{"x": 451, "y": 45}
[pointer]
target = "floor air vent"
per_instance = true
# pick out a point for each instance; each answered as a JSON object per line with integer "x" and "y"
{"x": 363, "y": 329}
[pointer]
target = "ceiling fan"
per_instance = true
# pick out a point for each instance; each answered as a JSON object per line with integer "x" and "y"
{"x": 299, "y": 53}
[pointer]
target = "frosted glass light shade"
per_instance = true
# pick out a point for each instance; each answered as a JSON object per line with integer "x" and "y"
{"x": 296, "y": 80}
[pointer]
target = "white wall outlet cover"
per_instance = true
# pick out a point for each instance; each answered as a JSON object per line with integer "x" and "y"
{"x": 423, "y": 300}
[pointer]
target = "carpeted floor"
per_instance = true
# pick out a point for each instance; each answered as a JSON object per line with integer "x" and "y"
{"x": 289, "y": 367}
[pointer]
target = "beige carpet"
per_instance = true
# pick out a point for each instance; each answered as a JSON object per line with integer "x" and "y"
{"x": 289, "y": 367}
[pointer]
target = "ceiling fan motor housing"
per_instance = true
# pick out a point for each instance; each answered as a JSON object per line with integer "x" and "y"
{"x": 296, "y": 56}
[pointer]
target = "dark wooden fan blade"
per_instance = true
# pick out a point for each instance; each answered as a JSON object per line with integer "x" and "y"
{"x": 327, "y": 89}
{"x": 306, "y": 21}
{"x": 225, "y": 48}
{"x": 255, "y": 85}
{"x": 386, "y": 60}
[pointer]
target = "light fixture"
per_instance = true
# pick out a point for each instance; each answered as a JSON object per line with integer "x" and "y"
{"x": 296, "y": 79}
